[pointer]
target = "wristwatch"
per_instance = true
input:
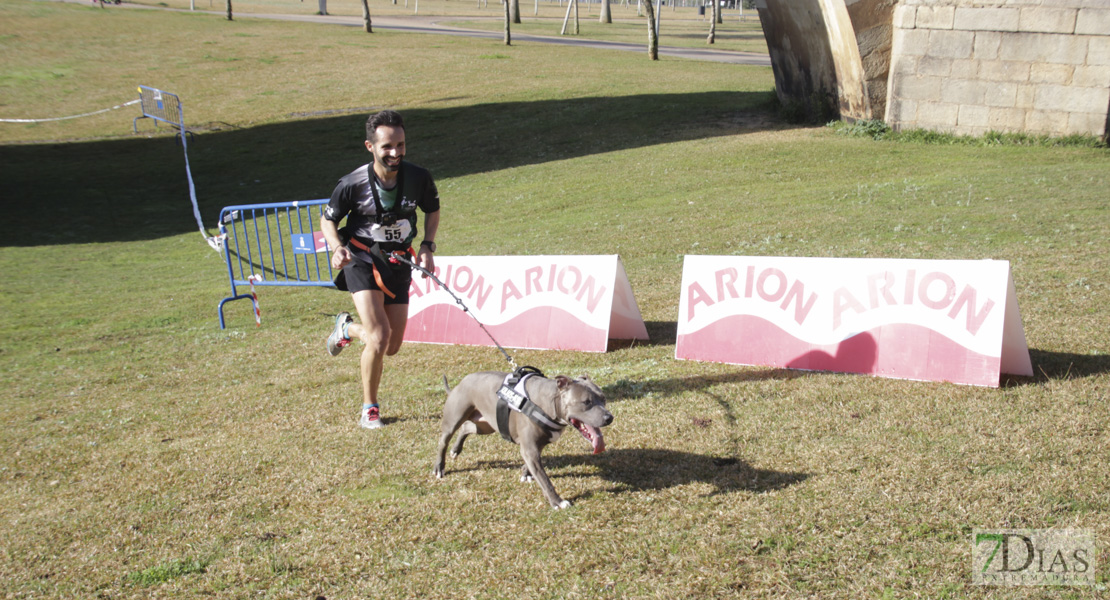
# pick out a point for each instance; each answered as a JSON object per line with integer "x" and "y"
{"x": 431, "y": 245}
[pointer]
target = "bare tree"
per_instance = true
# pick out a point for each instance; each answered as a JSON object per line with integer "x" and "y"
{"x": 229, "y": 11}
{"x": 653, "y": 34}
{"x": 514, "y": 10}
{"x": 713, "y": 22}
{"x": 606, "y": 14}
{"x": 366, "y": 17}
{"x": 323, "y": 7}
{"x": 508, "y": 19}
{"x": 571, "y": 5}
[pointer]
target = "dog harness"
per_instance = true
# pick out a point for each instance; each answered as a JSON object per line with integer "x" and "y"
{"x": 513, "y": 396}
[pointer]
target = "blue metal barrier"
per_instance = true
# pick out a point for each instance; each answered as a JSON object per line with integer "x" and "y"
{"x": 278, "y": 242}
{"x": 161, "y": 107}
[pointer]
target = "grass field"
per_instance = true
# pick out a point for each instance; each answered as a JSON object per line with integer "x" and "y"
{"x": 151, "y": 455}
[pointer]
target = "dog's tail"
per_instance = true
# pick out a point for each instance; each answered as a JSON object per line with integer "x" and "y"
{"x": 445, "y": 386}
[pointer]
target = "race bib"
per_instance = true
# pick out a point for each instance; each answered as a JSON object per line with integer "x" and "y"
{"x": 397, "y": 232}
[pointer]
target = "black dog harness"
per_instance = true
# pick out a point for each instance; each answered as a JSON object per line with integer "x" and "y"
{"x": 512, "y": 396}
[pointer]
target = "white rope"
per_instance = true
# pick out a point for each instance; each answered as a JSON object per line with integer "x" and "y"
{"x": 70, "y": 117}
{"x": 214, "y": 242}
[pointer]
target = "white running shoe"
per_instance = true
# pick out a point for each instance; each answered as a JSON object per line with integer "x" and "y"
{"x": 370, "y": 419}
{"x": 336, "y": 341}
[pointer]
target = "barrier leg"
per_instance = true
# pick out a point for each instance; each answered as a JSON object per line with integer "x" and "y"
{"x": 220, "y": 309}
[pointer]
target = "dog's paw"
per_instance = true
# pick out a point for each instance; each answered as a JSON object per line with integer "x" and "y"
{"x": 454, "y": 454}
{"x": 526, "y": 478}
{"x": 564, "y": 504}
{"x": 437, "y": 473}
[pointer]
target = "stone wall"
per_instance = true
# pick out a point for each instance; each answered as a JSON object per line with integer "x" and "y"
{"x": 801, "y": 55}
{"x": 871, "y": 24}
{"x": 972, "y": 66}
{"x": 830, "y": 55}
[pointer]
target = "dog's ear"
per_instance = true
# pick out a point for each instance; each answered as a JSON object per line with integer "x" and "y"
{"x": 584, "y": 377}
{"x": 562, "y": 381}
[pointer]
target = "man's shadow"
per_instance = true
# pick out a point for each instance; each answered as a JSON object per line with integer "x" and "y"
{"x": 646, "y": 469}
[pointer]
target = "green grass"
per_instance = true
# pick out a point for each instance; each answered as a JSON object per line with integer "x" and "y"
{"x": 878, "y": 130}
{"x": 143, "y": 442}
{"x": 167, "y": 571}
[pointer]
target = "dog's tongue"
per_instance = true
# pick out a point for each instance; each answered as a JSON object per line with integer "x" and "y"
{"x": 592, "y": 435}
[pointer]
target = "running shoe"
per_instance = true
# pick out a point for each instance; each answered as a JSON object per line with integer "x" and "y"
{"x": 336, "y": 341}
{"x": 370, "y": 418}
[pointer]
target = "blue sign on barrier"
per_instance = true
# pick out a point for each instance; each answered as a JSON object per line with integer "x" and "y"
{"x": 309, "y": 243}
{"x": 275, "y": 244}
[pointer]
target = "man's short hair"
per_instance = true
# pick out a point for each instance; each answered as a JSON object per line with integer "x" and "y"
{"x": 388, "y": 118}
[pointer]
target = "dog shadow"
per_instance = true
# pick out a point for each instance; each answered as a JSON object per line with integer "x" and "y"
{"x": 627, "y": 389}
{"x": 647, "y": 469}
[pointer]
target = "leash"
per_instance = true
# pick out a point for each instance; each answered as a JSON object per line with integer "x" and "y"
{"x": 511, "y": 396}
{"x": 402, "y": 256}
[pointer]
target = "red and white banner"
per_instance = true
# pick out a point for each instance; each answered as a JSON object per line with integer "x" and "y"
{"x": 538, "y": 302}
{"x": 934, "y": 320}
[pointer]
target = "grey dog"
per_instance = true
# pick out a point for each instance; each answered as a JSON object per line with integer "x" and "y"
{"x": 472, "y": 408}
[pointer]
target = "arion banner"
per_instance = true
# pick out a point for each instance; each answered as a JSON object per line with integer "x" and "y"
{"x": 537, "y": 302}
{"x": 933, "y": 320}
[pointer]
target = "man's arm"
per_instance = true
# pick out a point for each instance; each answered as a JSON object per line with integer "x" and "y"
{"x": 340, "y": 254}
{"x": 425, "y": 258}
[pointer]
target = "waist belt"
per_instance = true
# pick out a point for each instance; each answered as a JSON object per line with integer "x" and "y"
{"x": 512, "y": 396}
{"x": 376, "y": 252}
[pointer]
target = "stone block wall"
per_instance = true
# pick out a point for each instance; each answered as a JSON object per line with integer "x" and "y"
{"x": 871, "y": 24}
{"x": 972, "y": 66}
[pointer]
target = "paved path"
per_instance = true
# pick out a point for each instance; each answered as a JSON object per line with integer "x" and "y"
{"x": 416, "y": 24}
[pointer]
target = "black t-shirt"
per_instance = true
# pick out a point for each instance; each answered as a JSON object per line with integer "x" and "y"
{"x": 353, "y": 198}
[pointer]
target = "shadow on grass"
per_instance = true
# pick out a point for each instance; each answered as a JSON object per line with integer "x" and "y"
{"x": 136, "y": 189}
{"x": 1048, "y": 366}
{"x": 645, "y": 469}
{"x": 660, "y": 333}
{"x": 632, "y": 390}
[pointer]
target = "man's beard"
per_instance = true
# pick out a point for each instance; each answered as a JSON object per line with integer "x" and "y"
{"x": 391, "y": 167}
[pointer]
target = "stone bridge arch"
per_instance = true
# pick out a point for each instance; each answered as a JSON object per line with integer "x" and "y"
{"x": 830, "y": 56}
{"x": 958, "y": 66}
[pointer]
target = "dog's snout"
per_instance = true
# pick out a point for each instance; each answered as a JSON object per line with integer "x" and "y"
{"x": 608, "y": 419}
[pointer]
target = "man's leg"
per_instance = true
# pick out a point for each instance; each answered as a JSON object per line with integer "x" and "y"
{"x": 382, "y": 330}
{"x": 373, "y": 330}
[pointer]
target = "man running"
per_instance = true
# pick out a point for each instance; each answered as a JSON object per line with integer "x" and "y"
{"x": 379, "y": 201}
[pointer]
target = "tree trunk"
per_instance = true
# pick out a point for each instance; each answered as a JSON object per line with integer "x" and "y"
{"x": 606, "y": 14}
{"x": 323, "y": 7}
{"x": 514, "y": 10}
{"x": 653, "y": 41}
{"x": 508, "y": 19}
{"x": 366, "y": 17}
{"x": 229, "y": 11}
{"x": 572, "y": 5}
{"x": 720, "y": 17}
{"x": 712, "y": 23}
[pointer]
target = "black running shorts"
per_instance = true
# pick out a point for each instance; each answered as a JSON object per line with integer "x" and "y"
{"x": 357, "y": 276}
